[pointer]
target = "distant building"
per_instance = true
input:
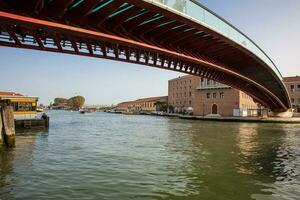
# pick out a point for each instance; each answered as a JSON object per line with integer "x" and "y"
{"x": 199, "y": 96}
{"x": 144, "y": 105}
{"x": 293, "y": 87}
{"x": 24, "y": 107}
{"x": 182, "y": 94}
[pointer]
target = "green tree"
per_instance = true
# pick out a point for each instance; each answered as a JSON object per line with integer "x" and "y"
{"x": 76, "y": 102}
{"x": 58, "y": 101}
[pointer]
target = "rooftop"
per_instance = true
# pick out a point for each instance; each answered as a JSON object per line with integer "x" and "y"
{"x": 182, "y": 77}
{"x": 5, "y": 94}
{"x": 10, "y": 95}
{"x": 291, "y": 79}
{"x": 150, "y": 99}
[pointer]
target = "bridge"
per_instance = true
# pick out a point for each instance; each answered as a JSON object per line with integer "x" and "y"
{"x": 177, "y": 35}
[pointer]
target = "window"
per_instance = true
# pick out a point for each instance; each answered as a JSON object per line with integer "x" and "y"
{"x": 214, "y": 95}
{"x": 298, "y": 88}
{"x": 208, "y": 95}
{"x": 15, "y": 106}
{"x": 202, "y": 82}
{"x": 208, "y": 83}
{"x": 23, "y": 106}
{"x": 190, "y": 94}
{"x": 292, "y": 88}
{"x": 221, "y": 95}
{"x": 298, "y": 101}
{"x": 190, "y": 102}
{"x": 292, "y": 100}
{"x": 213, "y": 83}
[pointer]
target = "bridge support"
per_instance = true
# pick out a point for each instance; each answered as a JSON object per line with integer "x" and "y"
{"x": 7, "y": 125}
{"x": 280, "y": 114}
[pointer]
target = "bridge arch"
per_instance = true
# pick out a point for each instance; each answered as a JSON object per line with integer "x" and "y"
{"x": 170, "y": 35}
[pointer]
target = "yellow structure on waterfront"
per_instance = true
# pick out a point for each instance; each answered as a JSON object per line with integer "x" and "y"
{"x": 24, "y": 107}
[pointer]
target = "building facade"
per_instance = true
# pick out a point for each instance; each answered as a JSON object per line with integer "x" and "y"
{"x": 218, "y": 99}
{"x": 200, "y": 96}
{"x": 293, "y": 87}
{"x": 182, "y": 93}
{"x": 144, "y": 105}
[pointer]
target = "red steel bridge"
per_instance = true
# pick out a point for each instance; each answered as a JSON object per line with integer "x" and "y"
{"x": 177, "y": 35}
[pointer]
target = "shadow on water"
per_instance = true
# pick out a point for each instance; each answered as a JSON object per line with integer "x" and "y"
{"x": 19, "y": 156}
{"x": 235, "y": 160}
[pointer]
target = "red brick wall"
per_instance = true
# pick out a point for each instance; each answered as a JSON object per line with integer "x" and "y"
{"x": 225, "y": 104}
{"x": 181, "y": 91}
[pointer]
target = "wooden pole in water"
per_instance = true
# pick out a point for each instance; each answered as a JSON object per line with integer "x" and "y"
{"x": 1, "y": 128}
{"x": 8, "y": 124}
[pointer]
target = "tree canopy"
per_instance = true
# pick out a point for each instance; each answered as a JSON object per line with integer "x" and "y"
{"x": 59, "y": 100}
{"x": 76, "y": 102}
{"x": 73, "y": 103}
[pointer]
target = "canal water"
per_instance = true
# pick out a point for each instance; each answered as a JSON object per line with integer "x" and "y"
{"x": 109, "y": 156}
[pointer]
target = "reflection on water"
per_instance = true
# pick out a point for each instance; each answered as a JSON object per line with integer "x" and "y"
{"x": 103, "y": 156}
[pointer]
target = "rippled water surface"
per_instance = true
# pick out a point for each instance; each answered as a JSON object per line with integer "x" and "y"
{"x": 107, "y": 156}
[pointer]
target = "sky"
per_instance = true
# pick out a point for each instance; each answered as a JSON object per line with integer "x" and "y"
{"x": 273, "y": 24}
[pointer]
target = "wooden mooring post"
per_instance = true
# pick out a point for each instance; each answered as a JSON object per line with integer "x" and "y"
{"x": 1, "y": 128}
{"x": 7, "y": 124}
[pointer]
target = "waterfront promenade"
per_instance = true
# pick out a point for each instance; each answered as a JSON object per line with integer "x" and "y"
{"x": 293, "y": 120}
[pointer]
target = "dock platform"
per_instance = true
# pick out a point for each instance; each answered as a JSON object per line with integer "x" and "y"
{"x": 32, "y": 123}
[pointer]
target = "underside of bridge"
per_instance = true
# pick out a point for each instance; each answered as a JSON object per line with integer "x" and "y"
{"x": 140, "y": 32}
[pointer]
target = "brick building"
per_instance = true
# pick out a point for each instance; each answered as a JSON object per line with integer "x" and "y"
{"x": 144, "y": 105}
{"x": 219, "y": 99}
{"x": 182, "y": 93}
{"x": 199, "y": 96}
{"x": 293, "y": 87}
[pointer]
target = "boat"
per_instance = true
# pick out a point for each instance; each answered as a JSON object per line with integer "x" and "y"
{"x": 39, "y": 110}
{"x": 128, "y": 113}
{"x": 113, "y": 112}
{"x": 81, "y": 111}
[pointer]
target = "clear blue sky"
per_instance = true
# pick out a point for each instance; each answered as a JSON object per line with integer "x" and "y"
{"x": 273, "y": 24}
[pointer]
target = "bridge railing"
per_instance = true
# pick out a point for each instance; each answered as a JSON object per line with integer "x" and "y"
{"x": 204, "y": 16}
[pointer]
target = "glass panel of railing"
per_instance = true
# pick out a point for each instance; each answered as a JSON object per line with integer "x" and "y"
{"x": 205, "y": 16}
{"x": 195, "y": 11}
